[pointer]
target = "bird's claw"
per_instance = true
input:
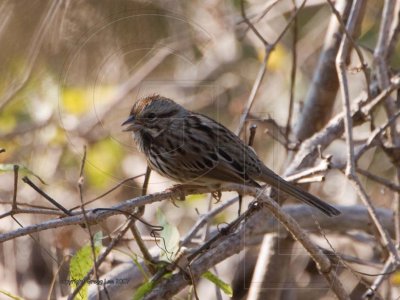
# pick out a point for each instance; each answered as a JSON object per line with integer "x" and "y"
{"x": 177, "y": 193}
{"x": 217, "y": 196}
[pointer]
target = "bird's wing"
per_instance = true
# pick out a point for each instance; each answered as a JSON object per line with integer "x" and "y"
{"x": 209, "y": 152}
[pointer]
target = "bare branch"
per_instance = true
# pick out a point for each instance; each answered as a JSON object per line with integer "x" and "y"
{"x": 348, "y": 122}
{"x": 321, "y": 94}
{"x": 263, "y": 68}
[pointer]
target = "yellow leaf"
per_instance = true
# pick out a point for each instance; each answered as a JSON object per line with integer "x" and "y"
{"x": 103, "y": 159}
{"x": 395, "y": 278}
{"x": 276, "y": 59}
{"x": 75, "y": 100}
{"x": 79, "y": 100}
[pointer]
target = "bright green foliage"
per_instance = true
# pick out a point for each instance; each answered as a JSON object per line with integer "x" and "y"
{"x": 226, "y": 288}
{"x": 143, "y": 290}
{"x": 81, "y": 263}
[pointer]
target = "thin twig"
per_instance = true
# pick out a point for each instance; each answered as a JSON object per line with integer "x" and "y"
{"x": 224, "y": 231}
{"x": 93, "y": 215}
{"x": 394, "y": 85}
{"x": 385, "y": 182}
{"x": 206, "y": 231}
{"x": 32, "y": 205}
{"x": 100, "y": 260}
{"x": 251, "y": 26}
{"x": 348, "y": 122}
{"x": 55, "y": 277}
{"x": 148, "y": 258}
{"x": 395, "y": 32}
{"x": 378, "y": 131}
{"x": 81, "y": 180}
{"x": 382, "y": 74}
{"x": 32, "y": 211}
{"x": 322, "y": 167}
{"x": 387, "y": 241}
{"x": 146, "y": 181}
{"x": 273, "y": 129}
{"x": 204, "y": 219}
{"x": 262, "y": 15}
{"x": 292, "y": 71}
{"x": 263, "y": 67}
{"x": 343, "y": 53}
{"x": 14, "y": 201}
{"x": 108, "y": 192}
{"x": 388, "y": 269}
{"x": 266, "y": 10}
{"x": 310, "y": 148}
{"x": 254, "y": 90}
{"x": 253, "y": 129}
{"x": 44, "y": 249}
{"x": 321, "y": 94}
{"x": 350, "y": 28}
{"x": 47, "y": 197}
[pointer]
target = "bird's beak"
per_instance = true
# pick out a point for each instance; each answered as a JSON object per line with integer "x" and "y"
{"x": 133, "y": 124}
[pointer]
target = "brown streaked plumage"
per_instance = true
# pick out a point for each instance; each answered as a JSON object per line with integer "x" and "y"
{"x": 191, "y": 148}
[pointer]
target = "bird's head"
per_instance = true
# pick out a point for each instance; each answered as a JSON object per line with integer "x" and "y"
{"x": 153, "y": 115}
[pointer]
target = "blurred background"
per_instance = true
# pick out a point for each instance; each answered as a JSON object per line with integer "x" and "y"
{"x": 71, "y": 70}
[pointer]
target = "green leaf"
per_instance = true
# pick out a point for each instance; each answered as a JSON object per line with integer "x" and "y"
{"x": 145, "y": 288}
{"x": 81, "y": 263}
{"x": 226, "y": 288}
{"x": 22, "y": 170}
{"x": 170, "y": 237}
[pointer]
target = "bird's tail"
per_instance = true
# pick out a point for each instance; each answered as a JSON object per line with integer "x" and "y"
{"x": 279, "y": 183}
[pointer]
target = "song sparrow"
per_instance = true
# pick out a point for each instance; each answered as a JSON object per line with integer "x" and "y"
{"x": 191, "y": 148}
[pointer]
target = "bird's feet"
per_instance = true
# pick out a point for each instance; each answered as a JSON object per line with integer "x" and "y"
{"x": 217, "y": 196}
{"x": 179, "y": 191}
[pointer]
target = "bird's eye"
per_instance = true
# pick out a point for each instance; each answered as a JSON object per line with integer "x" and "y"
{"x": 150, "y": 115}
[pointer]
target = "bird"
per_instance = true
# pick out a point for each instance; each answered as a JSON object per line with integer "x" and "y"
{"x": 191, "y": 148}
